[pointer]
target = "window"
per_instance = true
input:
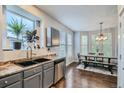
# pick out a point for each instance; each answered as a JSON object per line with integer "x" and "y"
{"x": 62, "y": 43}
{"x": 69, "y": 47}
{"x": 94, "y": 44}
{"x": 105, "y": 46}
{"x": 11, "y": 15}
{"x": 30, "y": 25}
{"x": 84, "y": 44}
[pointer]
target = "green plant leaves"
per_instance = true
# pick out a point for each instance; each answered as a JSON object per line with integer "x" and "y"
{"x": 16, "y": 27}
{"x": 31, "y": 36}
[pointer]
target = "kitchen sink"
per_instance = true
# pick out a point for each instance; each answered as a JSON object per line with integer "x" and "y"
{"x": 26, "y": 63}
{"x": 41, "y": 60}
{"x": 33, "y": 62}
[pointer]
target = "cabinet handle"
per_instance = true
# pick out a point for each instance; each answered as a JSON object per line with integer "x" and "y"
{"x": 6, "y": 82}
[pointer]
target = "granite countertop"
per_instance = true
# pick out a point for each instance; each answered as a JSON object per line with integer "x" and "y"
{"x": 13, "y": 68}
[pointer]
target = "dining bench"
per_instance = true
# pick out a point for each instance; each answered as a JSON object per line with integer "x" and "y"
{"x": 108, "y": 62}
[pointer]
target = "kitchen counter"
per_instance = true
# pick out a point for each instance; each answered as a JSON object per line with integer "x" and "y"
{"x": 13, "y": 68}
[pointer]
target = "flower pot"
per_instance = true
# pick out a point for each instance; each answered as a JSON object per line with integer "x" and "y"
{"x": 17, "y": 45}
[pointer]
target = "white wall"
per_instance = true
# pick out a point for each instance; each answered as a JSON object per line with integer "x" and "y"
{"x": 0, "y": 27}
{"x": 2, "y": 24}
{"x": 1, "y": 30}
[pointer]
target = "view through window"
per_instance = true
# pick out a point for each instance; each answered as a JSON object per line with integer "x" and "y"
{"x": 29, "y": 26}
{"x": 62, "y": 43}
{"x": 94, "y": 45}
{"x": 84, "y": 44}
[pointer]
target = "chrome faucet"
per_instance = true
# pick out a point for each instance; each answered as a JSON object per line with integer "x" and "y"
{"x": 30, "y": 52}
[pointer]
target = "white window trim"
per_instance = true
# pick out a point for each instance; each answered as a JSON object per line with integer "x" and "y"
{"x": 22, "y": 16}
{"x": 89, "y": 33}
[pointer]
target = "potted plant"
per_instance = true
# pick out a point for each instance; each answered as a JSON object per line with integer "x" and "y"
{"x": 16, "y": 28}
{"x": 31, "y": 37}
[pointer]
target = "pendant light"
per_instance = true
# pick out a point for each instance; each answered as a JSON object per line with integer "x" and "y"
{"x": 101, "y": 37}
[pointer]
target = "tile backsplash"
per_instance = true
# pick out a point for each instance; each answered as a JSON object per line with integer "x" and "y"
{"x": 18, "y": 54}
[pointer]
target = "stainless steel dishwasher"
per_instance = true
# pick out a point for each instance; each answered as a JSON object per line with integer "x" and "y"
{"x": 59, "y": 69}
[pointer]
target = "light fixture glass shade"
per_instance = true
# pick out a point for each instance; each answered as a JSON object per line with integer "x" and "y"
{"x": 101, "y": 37}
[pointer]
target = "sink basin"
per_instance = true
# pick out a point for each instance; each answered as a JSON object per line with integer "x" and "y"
{"x": 26, "y": 64}
{"x": 33, "y": 62}
{"x": 41, "y": 60}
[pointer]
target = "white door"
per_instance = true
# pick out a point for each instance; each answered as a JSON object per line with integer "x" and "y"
{"x": 121, "y": 52}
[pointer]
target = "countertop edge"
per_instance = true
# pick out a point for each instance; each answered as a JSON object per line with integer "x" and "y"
{"x": 21, "y": 69}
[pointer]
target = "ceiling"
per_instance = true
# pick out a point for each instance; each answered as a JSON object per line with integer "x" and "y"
{"x": 83, "y": 17}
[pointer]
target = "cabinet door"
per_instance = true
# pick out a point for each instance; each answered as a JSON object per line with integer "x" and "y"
{"x": 34, "y": 81}
{"x": 48, "y": 76}
{"x": 15, "y": 85}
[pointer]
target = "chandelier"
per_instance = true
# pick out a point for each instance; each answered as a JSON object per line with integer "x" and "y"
{"x": 101, "y": 37}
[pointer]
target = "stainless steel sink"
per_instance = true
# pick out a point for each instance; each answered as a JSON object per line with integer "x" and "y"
{"x": 41, "y": 60}
{"x": 26, "y": 63}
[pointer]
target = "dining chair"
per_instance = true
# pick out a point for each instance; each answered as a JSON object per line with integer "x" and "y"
{"x": 100, "y": 59}
{"x": 90, "y": 53}
{"x": 101, "y": 54}
{"x": 91, "y": 58}
{"x": 79, "y": 58}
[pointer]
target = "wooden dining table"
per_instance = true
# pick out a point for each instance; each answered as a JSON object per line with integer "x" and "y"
{"x": 110, "y": 62}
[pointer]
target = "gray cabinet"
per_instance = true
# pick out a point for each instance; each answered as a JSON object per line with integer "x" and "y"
{"x": 36, "y": 77}
{"x": 34, "y": 81}
{"x": 33, "y": 78}
{"x": 48, "y": 75}
{"x": 15, "y": 85}
{"x": 32, "y": 71}
{"x": 11, "y": 81}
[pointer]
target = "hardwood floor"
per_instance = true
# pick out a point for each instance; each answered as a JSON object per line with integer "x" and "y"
{"x": 76, "y": 78}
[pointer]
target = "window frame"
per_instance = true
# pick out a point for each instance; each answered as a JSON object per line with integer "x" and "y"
{"x": 84, "y": 34}
{"x": 111, "y": 30}
{"x": 22, "y": 17}
{"x": 63, "y": 44}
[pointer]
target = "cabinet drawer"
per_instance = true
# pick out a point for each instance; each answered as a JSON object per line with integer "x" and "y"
{"x": 32, "y": 71}
{"x": 15, "y": 85}
{"x": 48, "y": 65}
{"x": 10, "y": 80}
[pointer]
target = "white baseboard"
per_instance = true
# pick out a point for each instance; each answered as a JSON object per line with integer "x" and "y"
{"x": 75, "y": 60}
{"x": 69, "y": 63}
